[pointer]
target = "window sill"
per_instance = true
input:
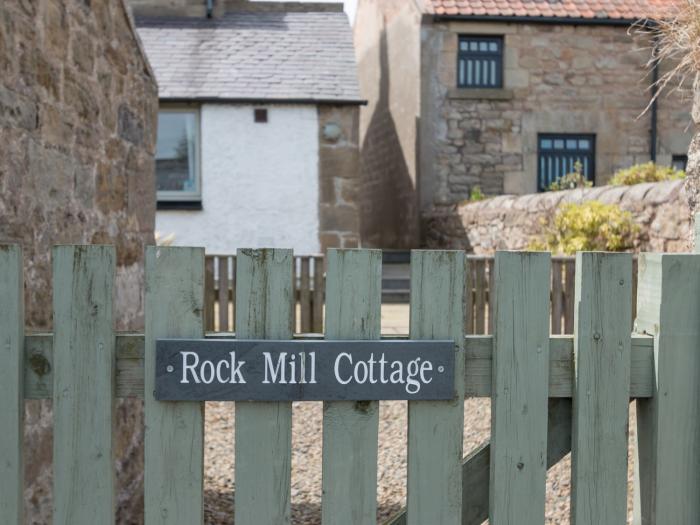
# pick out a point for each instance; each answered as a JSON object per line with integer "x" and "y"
{"x": 481, "y": 93}
{"x": 179, "y": 205}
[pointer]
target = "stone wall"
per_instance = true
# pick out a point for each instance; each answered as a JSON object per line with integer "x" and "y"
{"x": 338, "y": 172}
{"x": 509, "y": 222}
{"x": 557, "y": 79}
{"x": 78, "y": 108}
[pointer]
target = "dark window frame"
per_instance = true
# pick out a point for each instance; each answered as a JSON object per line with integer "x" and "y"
{"x": 542, "y": 184}
{"x": 466, "y": 56}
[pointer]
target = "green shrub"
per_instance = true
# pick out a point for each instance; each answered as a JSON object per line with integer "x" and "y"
{"x": 647, "y": 172}
{"x": 572, "y": 180}
{"x": 475, "y": 194}
{"x": 587, "y": 226}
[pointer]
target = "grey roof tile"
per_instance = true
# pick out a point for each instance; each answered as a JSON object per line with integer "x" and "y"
{"x": 256, "y": 56}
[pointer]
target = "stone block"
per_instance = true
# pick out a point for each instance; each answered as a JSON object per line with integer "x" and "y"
{"x": 341, "y": 218}
{"x": 17, "y": 110}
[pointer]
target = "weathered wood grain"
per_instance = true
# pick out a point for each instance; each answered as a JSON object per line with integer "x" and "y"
{"x": 435, "y": 428}
{"x": 603, "y": 313}
{"x": 569, "y": 285}
{"x": 174, "y": 441}
{"x": 668, "y": 424}
{"x": 209, "y": 299}
{"x": 11, "y": 385}
{"x": 480, "y": 296}
{"x": 265, "y": 310}
{"x": 223, "y": 293}
{"x": 38, "y": 373}
{"x": 520, "y": 389}
{"x": 351, "y": 429}
{"x": 318, "y": 295}
{"x": 557, "y": 296}
{"x": 305, "y": 295}
{"x": 476, "y": 466}
{"x": 83, "y": 384}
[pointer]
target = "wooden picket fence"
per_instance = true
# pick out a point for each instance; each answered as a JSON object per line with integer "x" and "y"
{"x": 309, "y": 293}
{"x": 550, "y": 394}
{"x": 220, "y": 293}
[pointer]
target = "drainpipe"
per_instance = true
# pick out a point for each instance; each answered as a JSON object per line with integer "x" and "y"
{"x": 654, "y": 99}
{"x": 210, "y": 8}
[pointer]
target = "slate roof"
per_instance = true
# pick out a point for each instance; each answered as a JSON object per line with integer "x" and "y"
{"x": 630, "y": 10}
{"x": 257, "y": 56}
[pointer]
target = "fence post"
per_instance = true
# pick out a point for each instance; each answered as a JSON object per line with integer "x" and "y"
{"x": 435, "y": 428}
{"x": 668, "y": 424}
{"x": 83, "y": 386}
{"x": 602, "y": 348}
{"x": 11, "y": 385}
{"x": 174, "y": 443}
{"x": 264, "y": 306}
{"x": 350, "y": 428}
{"x": 520, "y": 389}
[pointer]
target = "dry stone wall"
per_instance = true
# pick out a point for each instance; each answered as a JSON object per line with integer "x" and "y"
{"x": 509, "y": 222}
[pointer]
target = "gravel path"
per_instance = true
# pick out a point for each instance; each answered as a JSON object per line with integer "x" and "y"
{"x": 306, "y": 462}
{"x": 391, "y": 476}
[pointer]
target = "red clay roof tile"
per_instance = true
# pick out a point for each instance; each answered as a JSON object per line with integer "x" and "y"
{"x": 605, "y": 9}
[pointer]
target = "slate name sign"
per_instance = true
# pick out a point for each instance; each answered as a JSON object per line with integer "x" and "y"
{"x": 257, "y": 370}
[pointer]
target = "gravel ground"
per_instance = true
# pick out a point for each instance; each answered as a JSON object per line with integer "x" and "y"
{"x": 306, "y": 462}
{"x": 391, "y": 476}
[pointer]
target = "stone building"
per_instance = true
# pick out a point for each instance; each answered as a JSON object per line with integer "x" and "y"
{"x": 258, "y": 124}
{"x": 507, "y": 96}
{"x": 78, "y": 109}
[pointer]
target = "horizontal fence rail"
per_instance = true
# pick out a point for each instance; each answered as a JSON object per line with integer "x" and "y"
{"x": 550, "y": 394}
{"x": 309, "y": 293}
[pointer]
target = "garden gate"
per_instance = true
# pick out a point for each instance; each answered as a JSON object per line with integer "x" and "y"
{"x": 549, "y": 393}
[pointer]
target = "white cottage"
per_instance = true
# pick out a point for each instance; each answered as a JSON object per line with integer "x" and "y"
{"x": 258, "y": 127}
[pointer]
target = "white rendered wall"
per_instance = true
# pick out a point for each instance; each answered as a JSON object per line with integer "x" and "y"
{"x": 259, "y": 182}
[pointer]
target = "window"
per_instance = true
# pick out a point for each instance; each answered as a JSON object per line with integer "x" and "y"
{"x": 557, "y": 155}
{"x": 679, "y": 162}
{"x": 177, "y": 156}
{"x": 480, "y": 63}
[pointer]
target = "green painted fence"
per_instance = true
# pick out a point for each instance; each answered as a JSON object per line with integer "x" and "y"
{"x": 550, "y": 394}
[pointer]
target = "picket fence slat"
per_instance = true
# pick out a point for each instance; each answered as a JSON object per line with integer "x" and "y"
{"x": 480, "y": 296}
{"x": 434, "y": 487}
{"x": 469, "y": 296}
{"x": 668, "y": 425}
{"x": 11, "y": 385}
{"x": 174, "y": 439}
{"x": 83, "y": 474}
{"x": 223, "y": 294}
{"x": 557, "y": 296}
{"x": 351, "y": 429}
{"x": 520, "y": 389}
{"x": 318, "y": 295}
{"x": 209, "y": 299}
{"x": 305, "y": 295}
{"x": 265, "y": 307}
{"x": 569, "y": 286}
{"x": 602, "y": 350}
{"x": 490, "y": 266}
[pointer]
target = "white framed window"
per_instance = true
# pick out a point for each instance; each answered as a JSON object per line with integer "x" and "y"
{"x": 178, "y": 175}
